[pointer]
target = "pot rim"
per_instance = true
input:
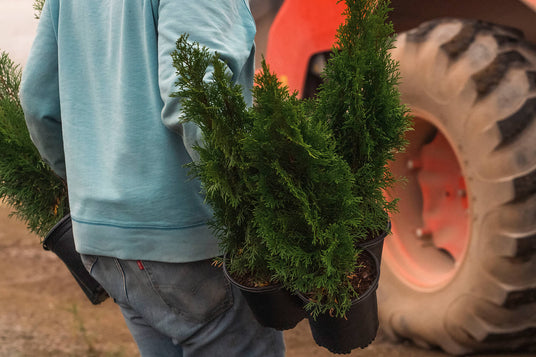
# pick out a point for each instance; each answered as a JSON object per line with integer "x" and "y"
{"x": 253, "y": 289}
{"x": 380, "y": 237}
{"x": 48, "y": 241}
{"x": 372, "y": 288}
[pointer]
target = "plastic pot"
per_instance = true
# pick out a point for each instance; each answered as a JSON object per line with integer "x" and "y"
{"x": 375, "y": 246}
{"x": 273, "y": 306}
{"x": 60, "y": 241}
{"x": 357, "y": 330}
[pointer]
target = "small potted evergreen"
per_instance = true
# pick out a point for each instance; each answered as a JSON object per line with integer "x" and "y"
{"x": 359, "y": 98}
{"x": 311, "y": 219}
{"x": 305, "y": 208}
{"x": 37, "y": 196}
{"x": 229, "y": 181}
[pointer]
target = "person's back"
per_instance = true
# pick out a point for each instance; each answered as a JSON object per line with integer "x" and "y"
{"x": 129, "y": 190}
{"x": 96, "y": 95}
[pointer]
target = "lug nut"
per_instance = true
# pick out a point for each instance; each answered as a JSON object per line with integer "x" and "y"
{"x": 423, "y": 233}
{"x": 414, "y": 164}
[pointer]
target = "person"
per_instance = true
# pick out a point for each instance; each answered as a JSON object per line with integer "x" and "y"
{"x": 96, "y": 97}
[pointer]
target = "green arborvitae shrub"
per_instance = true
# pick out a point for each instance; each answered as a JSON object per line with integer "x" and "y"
{"x": 359, "y": 98}
{"x": 282, "y": 197}
{"x": 305, "y": 208}
{"x": 218, "y": 108}
{"x": 37, "y": 196}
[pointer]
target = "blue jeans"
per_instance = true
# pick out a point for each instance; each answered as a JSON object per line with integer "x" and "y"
{"x": 183, "y": 309}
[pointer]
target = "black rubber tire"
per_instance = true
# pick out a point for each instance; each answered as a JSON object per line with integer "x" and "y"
{"x": 478, "y": 82}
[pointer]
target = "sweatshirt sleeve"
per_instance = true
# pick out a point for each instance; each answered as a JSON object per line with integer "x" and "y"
{"x": 224, "y": 26}
{"x": 39, "y": 94}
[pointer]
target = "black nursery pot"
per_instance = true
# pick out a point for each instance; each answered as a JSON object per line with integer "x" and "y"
{"x": 60, "y": 240}
{"x": 375, "y": 246}
{"x": 357, "y": 330}
{"x": 273, "y": 306}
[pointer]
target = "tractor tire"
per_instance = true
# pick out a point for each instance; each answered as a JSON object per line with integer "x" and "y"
{"x": 459, "y": 270}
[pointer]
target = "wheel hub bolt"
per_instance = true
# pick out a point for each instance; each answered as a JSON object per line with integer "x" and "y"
{"x": 414, "y": 164}
{"x": 423, "y": 233}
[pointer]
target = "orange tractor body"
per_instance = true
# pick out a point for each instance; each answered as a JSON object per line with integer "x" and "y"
{"x": 303, "y": 28}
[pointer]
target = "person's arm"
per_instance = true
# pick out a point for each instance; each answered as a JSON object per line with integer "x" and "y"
{"x": 225, "y": 26}
{"x": 39, "y": 94}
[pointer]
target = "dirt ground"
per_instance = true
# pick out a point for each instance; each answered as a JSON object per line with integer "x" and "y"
{"x": 43, "y": 312}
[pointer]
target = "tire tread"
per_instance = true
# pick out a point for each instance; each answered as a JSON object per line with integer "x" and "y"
{"x": 514, "y": 125}
{"x": 509, "y": 301}
{"x": 489, "y": 78}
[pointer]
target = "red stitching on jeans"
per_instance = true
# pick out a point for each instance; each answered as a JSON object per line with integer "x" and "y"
{"x": 140, "y": 264}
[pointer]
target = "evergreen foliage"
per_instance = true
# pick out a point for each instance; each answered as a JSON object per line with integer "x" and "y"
{"x": 305, "y": 204}
{"x": 282, "y": 197}
{"x": 27, "y": 184}
{"x": 296, "y": 184}
{"x": 359, "y": 98}
{"x": 218, "y": 108}
{"x": 38, "y": 7}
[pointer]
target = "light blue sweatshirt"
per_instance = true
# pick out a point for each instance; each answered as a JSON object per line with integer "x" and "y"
{"x": 96, "y": 96}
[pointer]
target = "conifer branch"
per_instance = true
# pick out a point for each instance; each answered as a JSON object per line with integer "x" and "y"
{"x": 38, "y": 8}
{"x": 37, "y": 196}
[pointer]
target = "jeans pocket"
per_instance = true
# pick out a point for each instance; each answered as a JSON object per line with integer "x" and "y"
{"x": 197, "y": 291}
{"x": 88, "y": 261}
